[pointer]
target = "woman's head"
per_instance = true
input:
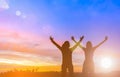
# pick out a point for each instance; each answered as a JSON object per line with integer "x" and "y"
{"x": 66, "y": 44}
{"x": 89, "y": 44}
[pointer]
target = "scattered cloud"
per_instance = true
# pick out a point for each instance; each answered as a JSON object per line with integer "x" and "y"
{"x": 4, "y": 5}
{"x": 18, "y": 13}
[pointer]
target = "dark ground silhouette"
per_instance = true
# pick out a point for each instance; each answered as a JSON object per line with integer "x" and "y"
{"x": 54, "y": 74}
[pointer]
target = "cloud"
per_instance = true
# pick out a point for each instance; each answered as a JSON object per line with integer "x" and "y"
{"x": 19, "y": 46}
{"x": 23, "y": 39}
{"x": 4, "y": 5}
{"x": 25, "y": 59}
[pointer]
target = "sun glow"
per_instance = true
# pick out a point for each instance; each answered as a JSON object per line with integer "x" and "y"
{"x": 106, "y": 62}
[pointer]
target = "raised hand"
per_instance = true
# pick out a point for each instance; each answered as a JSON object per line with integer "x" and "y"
{"x": 81, "y": 38}
{"x": 51, "y": 38}
{"x": 57, "y": 45}
{"x": 73, "y": 38}
{"x": 106, "y": 38}
{"x": 77, "y": 43}
{"x": 101, "y": 42}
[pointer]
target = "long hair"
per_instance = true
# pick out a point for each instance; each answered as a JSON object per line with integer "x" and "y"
{"x": 89, "y": 44}
{"x": 66, "y": 44}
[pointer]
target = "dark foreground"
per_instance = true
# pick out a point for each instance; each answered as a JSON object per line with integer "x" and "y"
{"x": 55, "y": 74}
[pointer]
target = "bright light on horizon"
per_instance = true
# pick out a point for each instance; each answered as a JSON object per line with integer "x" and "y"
{"x": 106, "y": 62}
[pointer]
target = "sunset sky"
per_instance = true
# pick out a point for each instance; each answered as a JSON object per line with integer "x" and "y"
{"x": 25, "y": 27}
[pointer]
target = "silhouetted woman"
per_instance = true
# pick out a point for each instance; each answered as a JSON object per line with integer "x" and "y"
{"x": 88, "y": 65}
{"x": 66, "y": 55}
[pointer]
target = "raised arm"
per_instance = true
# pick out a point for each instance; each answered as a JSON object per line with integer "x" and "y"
{"x": 77, "y": 43}
{"x": 101, "y": 42}
{"x": 52, "y": 40}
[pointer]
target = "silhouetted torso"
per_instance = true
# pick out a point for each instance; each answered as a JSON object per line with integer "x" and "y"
{"x": 67, "y": 56}
{"x": 88, "y": 65}
{"x": 89, "y": 52}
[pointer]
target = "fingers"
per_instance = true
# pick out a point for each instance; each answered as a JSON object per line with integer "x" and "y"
{"x": 72, "y": 37}
{"x": 106, "y": 37}
{"x": 51, "y": 37}
{"x": 81, "y": 38}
